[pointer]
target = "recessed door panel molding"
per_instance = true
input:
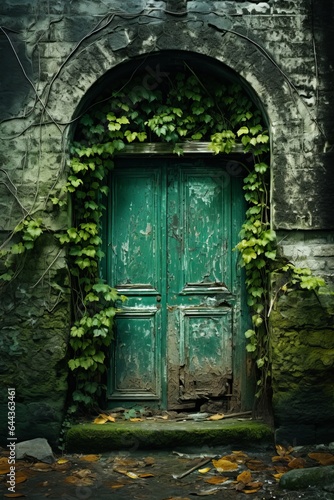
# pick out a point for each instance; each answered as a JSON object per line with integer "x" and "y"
{"x": 135, "y": 237}
{"x": 204, "y": 259}
{"x": 136, "y": 355}
{"x": 205, "y": 352}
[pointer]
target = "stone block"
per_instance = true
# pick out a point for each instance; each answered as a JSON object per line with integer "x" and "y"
{"x": 37, "y": 448}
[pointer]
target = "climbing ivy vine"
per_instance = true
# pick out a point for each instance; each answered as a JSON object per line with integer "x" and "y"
{"x": 180, "y": 109}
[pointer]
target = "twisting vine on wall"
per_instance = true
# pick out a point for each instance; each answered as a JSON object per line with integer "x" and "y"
{"x": 179, "y": 109}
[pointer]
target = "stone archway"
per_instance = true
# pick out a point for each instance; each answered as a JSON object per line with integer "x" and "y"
{"x": 188, "y": 382}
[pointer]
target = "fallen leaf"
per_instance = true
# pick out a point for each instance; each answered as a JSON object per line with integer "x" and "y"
{"x": 282, "y": 451}
{"x": 90, "y": 458}
{"x": 115, "y": 486}
{"x": 281, "y": 469}
{"x": 41, "y": 466}
{"x": 223, "y": 465}
{"x": 136, "y": 420}
{"x": 126, "y": 462}
{"x": 120, "y": 471}
{"x": 103, "y": 418}
{"x": 4, "y": 469}
{"x": 177, "y": 498}
{"x": 245, "y": 477}
{"x": 144, "y": 475}
{"x": 256, "y": 465}
{"x": 100, "y": 420}
{"x": 217, "y": 416}
{"x": 62, "y": 461}
{"x": 20, "y": 477}
{"x": 216, "y": 480}
{"x": 323, "y": 458}
{"x": 237, "y": 456}
{"x": 132, "y": 475}
{"x": 251, "y": 491}
{"x": 204, "y": 471}
{"x": 83, "y": 473}
{"x": 3, "y": 460}
{"x": 255, "y": 484}
{"x": 149, "y": 461}
{"x": 297, "y": 463}
{"x": 79, "y": 481}
{"x": 278, "y": 475}
{"x": 14, "y": 495}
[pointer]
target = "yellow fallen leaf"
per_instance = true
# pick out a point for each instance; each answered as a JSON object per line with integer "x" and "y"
{"x": 132, "y": 475}
{"x": 145, "y": 475}
{"x": 216, "y": 480}
{"x": 100, "y": 420}
{"x": 115, "y": 486}
{"x": 4, "y": 469}
{"x": 136, "y": 419}
{"x": 255, "y": 490}
{"x": 245, "y": 477}
{"x": 282, "y": 451}
{"x": 62, "y": 461}
{"x": 204, "y": 471}
{"x": 111, "y": 419}
{"x": 222, "y": 465}
{"x": 20, "y": 477}
{"x": 90, "y": 458}
{"x": 217, "y": 416}
{"x": 278, "y": 475}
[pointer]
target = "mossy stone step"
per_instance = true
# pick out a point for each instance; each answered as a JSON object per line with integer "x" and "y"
{"x": 93, "y": 438}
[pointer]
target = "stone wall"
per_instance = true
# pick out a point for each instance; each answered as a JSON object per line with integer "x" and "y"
{"x": 55, "y": 57}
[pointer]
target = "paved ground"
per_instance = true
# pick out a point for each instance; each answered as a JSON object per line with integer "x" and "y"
{"x": 140, "y": 475}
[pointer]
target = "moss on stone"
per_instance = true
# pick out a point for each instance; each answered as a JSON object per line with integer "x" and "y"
{"x": 129, "y": 435}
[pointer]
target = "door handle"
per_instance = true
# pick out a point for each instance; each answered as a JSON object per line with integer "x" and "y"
{"x": 158, "y": 298}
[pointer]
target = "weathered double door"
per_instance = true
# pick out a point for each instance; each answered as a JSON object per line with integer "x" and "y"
{"x": 171, "y": 227}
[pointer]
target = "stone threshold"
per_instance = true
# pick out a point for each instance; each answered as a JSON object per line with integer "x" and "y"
{"x": 125, "y": 435}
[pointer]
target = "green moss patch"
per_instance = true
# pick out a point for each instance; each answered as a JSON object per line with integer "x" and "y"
{"x": 94, "y": 438}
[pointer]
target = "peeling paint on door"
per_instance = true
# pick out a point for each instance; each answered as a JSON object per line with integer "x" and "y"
{"x": 171, "y": 235}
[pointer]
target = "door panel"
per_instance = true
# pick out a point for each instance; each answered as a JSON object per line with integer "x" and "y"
{"x": 135, "y": 229}
{"x": 170, "y": 253}
{"x": 135, "y": 270}
{"x": 205, "y": 352}
{"x": 135, "y": 364}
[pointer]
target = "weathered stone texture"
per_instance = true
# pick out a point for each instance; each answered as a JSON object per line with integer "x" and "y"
{"x": 53, "y": 54}
{"x": 302, "y": 343}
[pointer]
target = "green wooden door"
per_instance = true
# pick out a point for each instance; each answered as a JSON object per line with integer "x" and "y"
{"x": 171, "y": 228}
